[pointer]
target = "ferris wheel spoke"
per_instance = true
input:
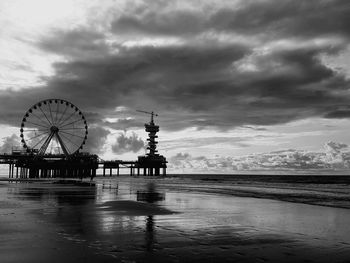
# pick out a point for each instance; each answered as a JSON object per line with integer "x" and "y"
{"x": 64, "y": 112}
{"x": 62, "y": 144}
{"x": 31, "y": 138}
{"x": 71, "y": 123}
{"x": 57, "y": 107}
{"x": 40, "y": 119}
{"x": 38, "y": 142}
{"x": 66, "y": 119}
{"x": 66, "y": 129}
{"x": 52, "y": 120}
{"x": 69, "y": 140}
{"x": 71, "y": 134}
{"x": 34, "y": 130}
{"x": 43, "y": 147}
{"x": 45, "y": 115}
{"x": 46, "y": 127}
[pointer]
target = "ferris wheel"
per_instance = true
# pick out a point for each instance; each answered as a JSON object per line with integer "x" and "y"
{"x": 53, "y": 126}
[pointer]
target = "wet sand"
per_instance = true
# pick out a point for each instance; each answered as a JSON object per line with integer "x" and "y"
{"x": 171, "y": 220}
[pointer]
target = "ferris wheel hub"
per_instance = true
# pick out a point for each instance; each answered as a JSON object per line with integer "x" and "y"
{"x": 54, "y": 129}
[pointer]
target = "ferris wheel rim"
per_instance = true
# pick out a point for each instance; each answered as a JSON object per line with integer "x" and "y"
{"x": 51, "y": 123}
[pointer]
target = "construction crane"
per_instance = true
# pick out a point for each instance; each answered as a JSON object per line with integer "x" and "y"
{"x": 151, "y": 113}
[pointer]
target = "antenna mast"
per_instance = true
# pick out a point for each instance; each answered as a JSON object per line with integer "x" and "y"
{"x": 147, "y": 112}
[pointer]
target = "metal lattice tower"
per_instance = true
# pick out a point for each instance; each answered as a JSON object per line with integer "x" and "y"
{"x": 152, "y": 130}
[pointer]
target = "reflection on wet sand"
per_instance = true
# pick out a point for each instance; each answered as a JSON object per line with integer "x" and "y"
{"x": 150, "y": 233}
{"x": 150, "y": 195}
{"x": 140, "y": 220}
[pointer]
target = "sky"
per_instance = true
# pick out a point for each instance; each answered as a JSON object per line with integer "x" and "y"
{"x": 239, "y": 85}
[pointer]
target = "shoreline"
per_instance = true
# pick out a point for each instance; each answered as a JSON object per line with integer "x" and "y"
{"x": 334, "y": 194}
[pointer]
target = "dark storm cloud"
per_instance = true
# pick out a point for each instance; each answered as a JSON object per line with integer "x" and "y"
{"x": 90, "y": 43}
{"x": 168, "y": 78}
{"x": 200, "y": 82}
{"x": 338, "y": 114}
{"x": 203, "y": 81}
{"x": 96, "y": 139}
{"x": 286, "y": 17}
{"x": 157, "y": 23}
{"x": 126, "y": 143}
{"x": 292, "y": 18}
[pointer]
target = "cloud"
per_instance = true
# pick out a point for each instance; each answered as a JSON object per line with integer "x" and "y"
{"x": 283, "y": 17}
{"x": 201, "y": 87}
{"x": 335, "y": 146}
{"x": 335, "y": 156}
{"x": 338, "y": 114}
{"x": 9, "y": 142}
{"x": 124, "y": 124}
{"x": 96, "y": 140}
{"x": 169, "y": 23}
{"x": 227, "y": 65}
{"x": 195, "y": 142}
{"x": 307, "y": 19}
{"x": 126, "y": 144}
{"x": 91, "y": 43}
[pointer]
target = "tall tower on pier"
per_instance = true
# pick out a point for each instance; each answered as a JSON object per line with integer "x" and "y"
{"x": 152, "y": 130}
{"x": 152, "y": 162}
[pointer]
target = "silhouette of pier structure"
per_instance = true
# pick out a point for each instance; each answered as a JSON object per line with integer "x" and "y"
{"x": 53, "y": 132}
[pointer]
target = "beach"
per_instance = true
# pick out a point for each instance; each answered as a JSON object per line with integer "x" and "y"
{"x": 180, "y": 218}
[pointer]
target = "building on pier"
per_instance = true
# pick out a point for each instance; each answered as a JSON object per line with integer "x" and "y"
{"x": 152, "y": 162}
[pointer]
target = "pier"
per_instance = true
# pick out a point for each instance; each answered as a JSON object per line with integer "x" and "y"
{"x": 53, "y": 133}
